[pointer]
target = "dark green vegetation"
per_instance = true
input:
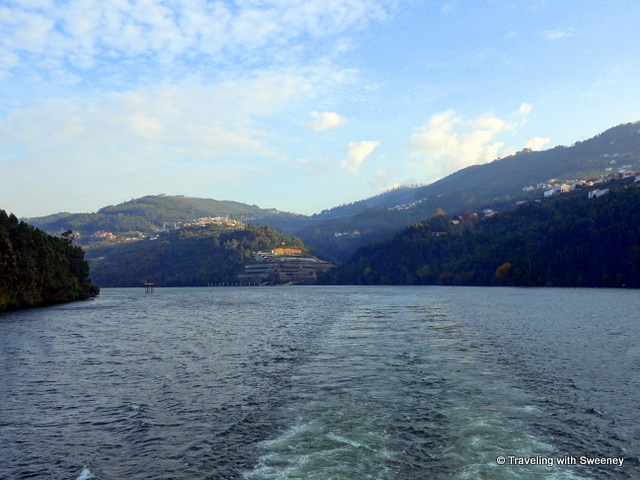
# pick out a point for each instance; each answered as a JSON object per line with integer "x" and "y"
{"x": 187, "y": 256}
{"x": 184, "y": 257}
{"x": 39, "y": 269}
{"x": 497, "y": 185}
{"x": 152, "y": 213}
{"x": 335, "y": 234}
{"x": 577, "y": 242}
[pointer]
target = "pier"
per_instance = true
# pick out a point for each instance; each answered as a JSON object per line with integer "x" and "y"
{"x": 235, "y": 284}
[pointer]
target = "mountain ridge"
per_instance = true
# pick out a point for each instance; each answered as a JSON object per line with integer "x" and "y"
{"x": 338, "y": 232}
{"x": 569, "y": 241}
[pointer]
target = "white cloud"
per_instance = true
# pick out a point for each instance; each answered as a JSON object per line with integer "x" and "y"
{"x": 218, "y": 118}
{"x": 85, "y": 32}
{"x": 557, "y": 34}
{"x": 325, "y": 121}
{"x": 525, "y": 109}
{"x": 384, "y": 180}
{"x": 356, "y": 153}
{"x": 449, "y": 143}
{"x": 180, "y": 136}
{"x": 225, "y": 115}
{"x": 536, "y": 143}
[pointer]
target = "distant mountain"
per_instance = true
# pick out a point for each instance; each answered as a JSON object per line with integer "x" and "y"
{"x": 156, "y": 212}
{"x": 507, "y": 176}
{"x": 336, "y": 233}
{"x": 496, "y": 185}
{"x": 191, "y": 256}
{"x": 562, "y": 241}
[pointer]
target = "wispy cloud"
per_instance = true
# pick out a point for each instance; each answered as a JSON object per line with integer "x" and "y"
{"x": 146, "y": 140}
{"x": 325, "y": 121}
{"x": 84, "y": 32}
{"x": 211, "y": 118}
{"x": 448, "y": 142}
{"x": 117, "y": 86}
{"x": 536, "y": 143}
{"x": 558, "y": 34}
{"x": 356, "y": 153}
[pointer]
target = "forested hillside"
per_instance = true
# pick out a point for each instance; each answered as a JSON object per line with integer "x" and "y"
{"x": 184, "y": 257}
{"x": 336, "y": 233}
{"x": 39, "y": 269}
{"x": 495, "y": 185}
{"x": 577, "y": 242}
{"x": 154, "y": 212}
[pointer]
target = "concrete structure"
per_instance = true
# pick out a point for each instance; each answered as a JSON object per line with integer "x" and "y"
{"x": 283, "y": 266}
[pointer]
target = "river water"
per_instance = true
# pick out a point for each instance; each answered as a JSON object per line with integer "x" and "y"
{"x": 323, "y": 383}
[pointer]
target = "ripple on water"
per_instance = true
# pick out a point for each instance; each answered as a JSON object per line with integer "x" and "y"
{"x": 327, "y": 383}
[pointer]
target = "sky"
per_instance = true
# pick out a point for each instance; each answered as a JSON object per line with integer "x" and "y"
{"x": 299, "y": 105}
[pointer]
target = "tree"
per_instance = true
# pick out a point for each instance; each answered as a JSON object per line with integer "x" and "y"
{"x": 438, "y": 213}
{"x": 39, "y": 269}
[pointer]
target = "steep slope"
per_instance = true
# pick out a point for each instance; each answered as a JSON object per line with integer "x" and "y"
{"x": 184, "y": 257}
{"x": 496, "y": 185}
{"x": 154, "y": 212}
{"x": 38, "y": 269}
{"x": 509, "y": 175}
{"x": 338, "y": 232}
{"x": 575, "y": 241}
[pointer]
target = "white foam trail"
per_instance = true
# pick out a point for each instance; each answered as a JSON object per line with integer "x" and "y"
{"x": 86, "y": 474}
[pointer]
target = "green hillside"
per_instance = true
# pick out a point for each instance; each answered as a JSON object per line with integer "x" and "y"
{"x": 338, "y": 232}
{"x": 577, "y": 242}
{"x": 184, "y": 257}
{"x": 38, "y": 269}
{"x": 498, "y": 185}
{"x": 155, "y": 212}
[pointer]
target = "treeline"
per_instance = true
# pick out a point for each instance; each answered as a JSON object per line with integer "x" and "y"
{"x": 577, "y": 242}
{"x": 184, "y": 257}
{"x": 160, "y": 208}
{"x": 39, "y": 269}
{"x": 151, "y": 213}
{"x": 89, "y": 223}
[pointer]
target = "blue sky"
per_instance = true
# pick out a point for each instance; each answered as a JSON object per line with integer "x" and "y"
{"x": 295, "y": 105}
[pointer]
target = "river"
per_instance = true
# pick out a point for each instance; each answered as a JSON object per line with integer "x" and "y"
{"x": 325, "y": 383}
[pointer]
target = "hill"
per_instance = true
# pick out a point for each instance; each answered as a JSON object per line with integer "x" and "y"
{"x": 497, "y": 185}
{"x": 191, "y": 256}
{"x": 154, "y": 213}
{"x": 38, "y": 269}
{"x": 336, "y": 233}
{"x": 576, "y": 242}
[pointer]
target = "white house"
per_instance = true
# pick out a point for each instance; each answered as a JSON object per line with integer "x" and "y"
{"x": 598, "y": 193}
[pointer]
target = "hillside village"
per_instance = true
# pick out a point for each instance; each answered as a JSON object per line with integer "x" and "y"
{"x": 304, "y": 268}
{"x": 590, "y": 168}
{"x": 593, "y": 187}
{"x": 105, "y": 237}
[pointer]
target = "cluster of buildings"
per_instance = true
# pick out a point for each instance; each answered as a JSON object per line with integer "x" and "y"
{"x": 407, "y": 206}
{"x": 353, "y": 234}
{"x": 204, "y": 221}
{"x": 102, "y": 235}
{"x": 283, "y": 265}
{"x": 556, "y": 187}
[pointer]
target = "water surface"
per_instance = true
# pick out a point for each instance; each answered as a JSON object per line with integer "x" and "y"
{"x": 322, "y": 383}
